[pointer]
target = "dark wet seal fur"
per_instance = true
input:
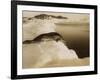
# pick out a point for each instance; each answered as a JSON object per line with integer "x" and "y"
{"x": 45, "y": 37}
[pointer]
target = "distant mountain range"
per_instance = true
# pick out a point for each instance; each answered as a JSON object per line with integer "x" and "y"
{"x": 43, "y": 16}
{"x": 46, "y": 16}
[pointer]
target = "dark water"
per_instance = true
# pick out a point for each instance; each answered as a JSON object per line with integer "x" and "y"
{"x": 76, "y": 37}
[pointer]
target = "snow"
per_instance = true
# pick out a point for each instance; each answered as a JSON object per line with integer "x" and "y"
{"x": 37, "y": 27}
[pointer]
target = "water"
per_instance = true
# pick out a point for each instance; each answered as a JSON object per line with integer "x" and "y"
{"x": 76, "y": 37}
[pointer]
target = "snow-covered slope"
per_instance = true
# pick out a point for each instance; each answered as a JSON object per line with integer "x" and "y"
{"x": 36, "y": 27}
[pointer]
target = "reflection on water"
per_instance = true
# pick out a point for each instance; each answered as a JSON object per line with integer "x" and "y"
{"x": 76, "y": 37}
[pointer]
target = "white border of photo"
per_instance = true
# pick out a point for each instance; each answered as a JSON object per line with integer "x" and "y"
{"x": 21, "y": 71}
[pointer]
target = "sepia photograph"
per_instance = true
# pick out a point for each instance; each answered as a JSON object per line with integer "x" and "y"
{"x": 52, "y": 39}
{"x": 55, "y": 39}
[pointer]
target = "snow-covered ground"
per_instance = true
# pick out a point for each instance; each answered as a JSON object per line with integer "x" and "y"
{"x": 50, "y": 54}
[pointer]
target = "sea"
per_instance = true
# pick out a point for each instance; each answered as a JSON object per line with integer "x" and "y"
{"x": 76, "y": 37}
